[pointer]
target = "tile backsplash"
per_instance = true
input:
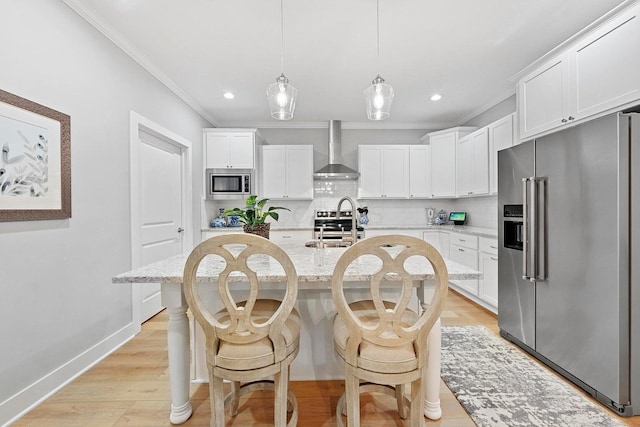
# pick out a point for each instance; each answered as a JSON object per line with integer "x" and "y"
{"x": 481, "y": 211}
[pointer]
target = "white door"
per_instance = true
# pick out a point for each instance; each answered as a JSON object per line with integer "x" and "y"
{"x": 160, "y": 204}
{"x": 160, "y": 211}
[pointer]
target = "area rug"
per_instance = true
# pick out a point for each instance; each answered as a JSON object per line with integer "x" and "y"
{"x": 498, "y": 385}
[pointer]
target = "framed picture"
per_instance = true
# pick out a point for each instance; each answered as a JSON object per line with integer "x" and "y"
{"x": 35, "y": 165}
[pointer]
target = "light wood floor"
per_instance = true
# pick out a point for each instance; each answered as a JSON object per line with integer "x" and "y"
{"x": 131, "y": 388}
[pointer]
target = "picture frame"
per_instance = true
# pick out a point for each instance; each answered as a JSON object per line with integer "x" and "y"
{"x": 35, "y": 161}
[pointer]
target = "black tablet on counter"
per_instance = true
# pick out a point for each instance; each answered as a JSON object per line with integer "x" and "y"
{"x": 458, "y": 218}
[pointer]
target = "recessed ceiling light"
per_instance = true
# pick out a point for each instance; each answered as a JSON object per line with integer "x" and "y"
{"x": 436, "y": 97}
{"x": 229, "y": 95}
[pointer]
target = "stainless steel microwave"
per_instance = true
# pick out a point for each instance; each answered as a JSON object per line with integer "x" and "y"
{"x": 227, "y": 184}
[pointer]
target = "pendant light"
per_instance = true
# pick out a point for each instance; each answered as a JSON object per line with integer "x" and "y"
{"x": 281, "y": 95}
{"x": 379, "y": 95}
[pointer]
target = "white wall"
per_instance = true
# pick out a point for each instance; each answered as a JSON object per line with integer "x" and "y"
{"x": 58, "y": 302}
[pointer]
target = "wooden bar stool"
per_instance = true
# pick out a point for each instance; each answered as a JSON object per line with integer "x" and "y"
{"x": 251, "y": 340}
{"x": 384, "y": 343}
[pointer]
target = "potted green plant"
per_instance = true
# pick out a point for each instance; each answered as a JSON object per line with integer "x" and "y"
{"x": 254, "y": 214}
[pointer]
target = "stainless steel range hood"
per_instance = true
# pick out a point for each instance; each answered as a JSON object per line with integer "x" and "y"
{"x": 335, "y": 169}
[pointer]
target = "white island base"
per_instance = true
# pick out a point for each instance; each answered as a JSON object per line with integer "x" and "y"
{"x": 316, "y": 359}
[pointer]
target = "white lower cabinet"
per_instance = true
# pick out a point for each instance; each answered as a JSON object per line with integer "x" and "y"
{"x": 290, "y": 236}
{"x": 463, "y": 249}
{"x": 439, "y": 240}
{"x": 488, "y": 266}
{"x": 383, "y": 231}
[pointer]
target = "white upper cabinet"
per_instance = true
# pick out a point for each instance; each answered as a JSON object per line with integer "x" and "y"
{"x": 384, "y": 171}
{"x": 420, "y": 171}
{"x": 543, "y": 98}
{"x": 443, "y": 160}
{"x": 472, "y": 164}
{"x": 287, "y": 172}
{"x": 501, "y": 136}
{"x": 597, "y": 73}
{"x": 607, "y": 66}
{"x": 230, "y": 148}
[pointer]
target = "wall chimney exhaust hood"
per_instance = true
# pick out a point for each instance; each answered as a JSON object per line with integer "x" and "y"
{"x": 335, "y": 169}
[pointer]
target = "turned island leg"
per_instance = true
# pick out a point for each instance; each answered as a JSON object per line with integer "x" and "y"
{"x": 178, "y": 349}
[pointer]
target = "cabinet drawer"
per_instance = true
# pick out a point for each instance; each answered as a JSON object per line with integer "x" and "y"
{"x": 464, "y": 240}
{"x": 296, "y": 236}
{"x": 489, "y": 246}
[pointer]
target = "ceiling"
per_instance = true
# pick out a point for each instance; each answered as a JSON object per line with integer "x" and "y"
{"x": 467, "y": 50}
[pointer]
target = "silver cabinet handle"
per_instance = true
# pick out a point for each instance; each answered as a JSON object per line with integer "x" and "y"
{"x": 180, "y": 229}
{"x": 571, "y": 118}
{"x": 493, "y": 247}
{"x": 493, "y": 258}
{"x": 461, "y": 250}
{"x": 564, "y": 120}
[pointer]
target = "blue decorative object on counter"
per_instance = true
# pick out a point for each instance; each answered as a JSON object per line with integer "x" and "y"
{"x": 219, "y": 221}
{"x": 235, "y": 221}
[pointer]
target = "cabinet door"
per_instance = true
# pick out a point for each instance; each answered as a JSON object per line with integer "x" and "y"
{"x": 395, "y": 171}
{"x": 274, "y": 172}
{"x": 607, "y": 66}
{"x": 419, "y": 171}
{"x": 543, "y": 98}
{"x": 480, "y": 162}
{"x": 443, "y": 165}
{"x": 433, "y": 238}
{"x": 217, "y": 151}
{"x": 230, "y": 150}
{"x": 468, "y": 258}
{"x": 488, "y": 285}
{"x": 240, "y": 149}
{"x": 500, "y": 137}
{"x": 370, "y": 167}
{"x": 299, "y": 172}
{"x": 464, "y": 166}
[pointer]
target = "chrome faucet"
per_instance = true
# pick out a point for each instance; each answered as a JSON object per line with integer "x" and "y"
{"x": 354, "y": 228}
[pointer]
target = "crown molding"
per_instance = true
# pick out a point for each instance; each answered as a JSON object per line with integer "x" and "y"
{"x": 486, "y": 106}
{"x": 345, "y": 125}
{"x": 110, "y": 32}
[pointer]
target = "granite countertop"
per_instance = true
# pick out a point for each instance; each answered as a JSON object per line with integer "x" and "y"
{"x": 314, "y": 267}
{"x": 465, "y": 229}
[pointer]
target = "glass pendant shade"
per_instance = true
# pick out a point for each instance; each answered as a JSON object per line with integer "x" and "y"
{"x": 282, "y": 98}
{"x": 378, "y": 98}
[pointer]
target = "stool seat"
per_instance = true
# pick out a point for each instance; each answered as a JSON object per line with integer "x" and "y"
{"x": 373, "y": 356}
{"x": 258, "y": 354}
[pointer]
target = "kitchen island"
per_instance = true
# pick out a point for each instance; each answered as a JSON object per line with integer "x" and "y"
{"x": 316, "y": 358}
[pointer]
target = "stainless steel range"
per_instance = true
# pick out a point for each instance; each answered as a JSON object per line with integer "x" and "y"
{"x": 333, "y": 227}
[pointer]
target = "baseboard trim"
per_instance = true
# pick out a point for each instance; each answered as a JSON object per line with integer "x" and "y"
{"x": 25, "y": 400}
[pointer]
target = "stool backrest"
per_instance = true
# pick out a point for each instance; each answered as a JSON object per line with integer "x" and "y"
{"x": 234, "y": 252}
{"x": 390, "y": 328}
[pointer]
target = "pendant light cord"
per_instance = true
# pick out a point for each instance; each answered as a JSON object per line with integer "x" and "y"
{"x": 282, "y": 36}
{"x": 378, "y": 32}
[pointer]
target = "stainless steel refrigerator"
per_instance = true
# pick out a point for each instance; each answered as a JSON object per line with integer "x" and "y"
{"x": 569, "y": 263}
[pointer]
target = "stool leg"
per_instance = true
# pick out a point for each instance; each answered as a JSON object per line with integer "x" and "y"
{"x": 216, "y": 394}
{"x": 352, "y": 386}
{"x": 235, "y": 389}
{"x": 281, "y": 382}
{"x": 417, "y": 399}
{"x": 402, "y": 410}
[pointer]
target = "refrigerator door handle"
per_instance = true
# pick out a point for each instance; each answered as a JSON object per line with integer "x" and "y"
{"x": 525, "y": 229}
{"x": 540, "y": 221}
